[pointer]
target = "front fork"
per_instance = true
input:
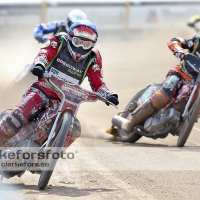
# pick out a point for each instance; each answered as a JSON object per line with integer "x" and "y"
{"x": 52, "y": 130}
{"x": 196, "y": 86}
{"x": 185, "y": 113}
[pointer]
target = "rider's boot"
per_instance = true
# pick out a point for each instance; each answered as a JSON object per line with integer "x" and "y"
{"x": 158, "y": 101}
{"x": 27, "y": 146}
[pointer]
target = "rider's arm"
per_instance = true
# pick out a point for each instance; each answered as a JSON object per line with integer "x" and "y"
{"x": 177, "y": 45}
{"x": 95, "y": 77}
{"x": 43, "y": 29}
{"x": 47, "y": 52}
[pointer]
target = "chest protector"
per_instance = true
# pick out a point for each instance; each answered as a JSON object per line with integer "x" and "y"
{"x": 189, "y": 68}
{"x": 64, "y": 67}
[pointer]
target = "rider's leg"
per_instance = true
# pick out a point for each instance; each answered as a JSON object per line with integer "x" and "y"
{"x": 158, "y": 101}
{"x": 12, "y": 123}
{"x": 41, "y": 136}
{"x": 76, "y": 132}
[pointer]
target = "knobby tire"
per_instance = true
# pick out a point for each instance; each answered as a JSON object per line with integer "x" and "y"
{"x": 189, "y": 123}
{"x": 60, "y": 139}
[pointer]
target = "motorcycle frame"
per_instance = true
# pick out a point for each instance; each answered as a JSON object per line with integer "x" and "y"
{"x": 67, "y": 105}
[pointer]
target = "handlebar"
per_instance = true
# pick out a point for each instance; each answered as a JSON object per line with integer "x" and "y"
{"x": 47, "y": 75}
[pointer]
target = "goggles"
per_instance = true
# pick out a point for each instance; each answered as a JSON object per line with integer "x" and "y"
{"x": 77, "y": 42}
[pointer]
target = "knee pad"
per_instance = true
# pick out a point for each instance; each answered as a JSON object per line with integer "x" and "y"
{"x": 160, "y": 99}
{"x": 13, "y": 122}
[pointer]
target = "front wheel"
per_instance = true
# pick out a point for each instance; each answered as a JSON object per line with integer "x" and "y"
{"x": 188, "y": 123}
{"x": 60, "y": 137}
{"x": 133, "y": 136}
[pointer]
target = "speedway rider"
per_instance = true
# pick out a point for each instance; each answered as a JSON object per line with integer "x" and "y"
{"x": 175, "y": 78}
{"x": 73, "y": 55}
{"x": 55, "y": 27}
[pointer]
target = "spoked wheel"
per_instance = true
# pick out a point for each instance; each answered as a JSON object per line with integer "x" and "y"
{"x": 133, "y": 136}
{"x": 188, "y": 123}
{"x": 58, "y": 142}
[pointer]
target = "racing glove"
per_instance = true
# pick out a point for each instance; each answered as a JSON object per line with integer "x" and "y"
{"x": 113, "y": 98}
{"x": 38, "y": 71}
{"x": 40, "y": 39}
{"x": 45, "y": 40}
{"x": 180, "y": 54}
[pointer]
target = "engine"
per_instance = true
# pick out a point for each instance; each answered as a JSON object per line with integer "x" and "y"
{"x": 160, "y": 122}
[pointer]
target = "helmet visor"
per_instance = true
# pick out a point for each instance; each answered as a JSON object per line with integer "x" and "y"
{"x": 85, "y": 44}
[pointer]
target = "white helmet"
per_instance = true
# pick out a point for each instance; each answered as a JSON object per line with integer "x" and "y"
{"x": 74, "y": 16}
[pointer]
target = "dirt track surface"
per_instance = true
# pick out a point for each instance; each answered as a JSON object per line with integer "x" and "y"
{"x": 104, "y": 168}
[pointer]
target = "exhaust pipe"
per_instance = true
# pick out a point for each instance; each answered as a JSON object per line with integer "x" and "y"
{"x": 118, "y": 121}
{"x": 126, "y": 125}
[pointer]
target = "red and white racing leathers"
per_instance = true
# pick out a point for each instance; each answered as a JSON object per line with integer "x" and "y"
{"x": 54, "y": 55}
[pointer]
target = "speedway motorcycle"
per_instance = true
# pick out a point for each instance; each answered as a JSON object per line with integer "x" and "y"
{"x": 55, "y": 123}
{"x": 177, "y": 118}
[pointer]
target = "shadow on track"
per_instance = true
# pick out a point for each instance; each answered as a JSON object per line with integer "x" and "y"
{"x": 66, "y": 191}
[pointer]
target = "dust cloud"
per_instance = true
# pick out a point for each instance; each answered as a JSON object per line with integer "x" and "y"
{"x": 8, "y": 191}
{"x": 127, "y": 59}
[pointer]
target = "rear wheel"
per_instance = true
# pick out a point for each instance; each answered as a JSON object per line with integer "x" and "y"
{"x": 58, "y": 142}
{"x": 188, "y": 123}
{"x": 133, "y": 136}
